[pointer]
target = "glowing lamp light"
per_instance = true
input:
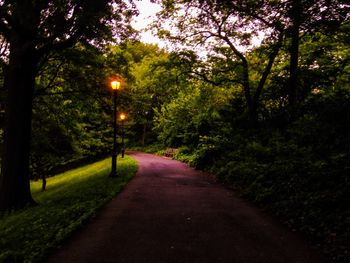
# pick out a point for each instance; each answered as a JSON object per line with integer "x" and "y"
{"x": 115, "y": 84}
{"x": 122, "y": 116}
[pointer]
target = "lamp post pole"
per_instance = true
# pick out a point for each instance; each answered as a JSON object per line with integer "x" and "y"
{"x": 115, "y": 86}
{"x": 122, "y": 118}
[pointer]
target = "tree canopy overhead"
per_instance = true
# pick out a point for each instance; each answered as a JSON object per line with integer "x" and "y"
{"x": 53, "y": 25}
{"x": 227, "y": 30}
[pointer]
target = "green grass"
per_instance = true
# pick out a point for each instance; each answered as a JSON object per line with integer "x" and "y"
{"x": 70, "y": 200}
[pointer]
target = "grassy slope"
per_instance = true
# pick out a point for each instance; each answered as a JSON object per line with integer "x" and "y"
{"x": 70, "y": 199}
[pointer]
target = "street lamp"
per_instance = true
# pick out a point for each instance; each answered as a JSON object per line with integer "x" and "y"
{"x": 115, "y": 85}
{"x": 122, "y": 119}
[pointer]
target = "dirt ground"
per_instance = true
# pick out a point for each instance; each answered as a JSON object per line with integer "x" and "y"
{"x": 171, "y": 213}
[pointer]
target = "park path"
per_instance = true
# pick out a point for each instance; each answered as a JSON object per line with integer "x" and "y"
{"x": 171, "y": 213}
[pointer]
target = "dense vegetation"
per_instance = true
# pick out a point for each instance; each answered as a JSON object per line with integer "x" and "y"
{"x": 71, "y": 198}
{"x": 257, "y": 92}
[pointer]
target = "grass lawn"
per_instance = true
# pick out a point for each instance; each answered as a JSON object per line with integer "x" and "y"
{"x": 70, "y": 199}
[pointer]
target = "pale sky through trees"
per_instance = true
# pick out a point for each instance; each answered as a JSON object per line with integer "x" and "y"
{"x": 147, "y": 14}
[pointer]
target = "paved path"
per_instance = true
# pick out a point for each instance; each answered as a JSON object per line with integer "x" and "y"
{"x": 172, "y": 213}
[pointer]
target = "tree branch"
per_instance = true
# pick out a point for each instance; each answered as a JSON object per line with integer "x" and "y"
{"x": 51, "y": 82}
{"x": 57, "y": 46}
{"x": 59, "y": 93}
{"x": 245, "y": 83}
{"x": 206, "y": 79}
{"x": 215, "y": 83}
{"x": 268, "y": 67}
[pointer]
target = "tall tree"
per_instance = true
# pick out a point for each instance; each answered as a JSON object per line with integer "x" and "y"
{"x": 295, "y": 14}
{"x": 33, "y": 29}
{"x": 226, "y": 29}
{"x": 305, "y": 17}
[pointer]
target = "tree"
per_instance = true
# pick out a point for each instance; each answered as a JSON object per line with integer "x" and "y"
{"x": 152, "y": 79}
{"x": 305, "y": 16}
{"x": 226, "y": 30}
{"x": 71, "y": 110}
{"x": 157, "y": 80}
{"x": 32, "y": 30}
{"x": 192, "y": 115}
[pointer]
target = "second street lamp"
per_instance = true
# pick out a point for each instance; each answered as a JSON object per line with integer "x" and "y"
{"x": 122, "y": 119}
{"x": 115, "y": 85}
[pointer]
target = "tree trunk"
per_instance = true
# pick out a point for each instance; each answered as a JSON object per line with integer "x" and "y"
{"x": 19, "y": 83}
{"x": 266, "y": 73}
{"x": 252, "y": 110}
{"x": 143, "y": 138}
{"x": 252, "y": 107}
{"x": 43, "y": 186}
{"x": 294, "y": 51}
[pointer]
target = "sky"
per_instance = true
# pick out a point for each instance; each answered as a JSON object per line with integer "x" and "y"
{"x": 147, "y": 13}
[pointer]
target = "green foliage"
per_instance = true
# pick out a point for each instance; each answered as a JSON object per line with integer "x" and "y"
{"x": 185, "y": 154}
{"x": 151, "y": 148}
{"x": 71, "y": 119}
{"x": 151, "y": 79}
{"x": 70, "y": 200}
{"x": 156, "y": 81}
{"x": 192, "y": 116}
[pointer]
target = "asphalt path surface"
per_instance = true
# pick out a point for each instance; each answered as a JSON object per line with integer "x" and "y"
{"x": 172, "y": 213}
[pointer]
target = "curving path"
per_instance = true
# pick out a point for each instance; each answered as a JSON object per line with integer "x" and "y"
{"x": 172, "y": 213}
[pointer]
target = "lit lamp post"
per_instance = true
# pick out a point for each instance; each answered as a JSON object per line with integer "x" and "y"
{"x": 122, "y": 119}
{"x": 115, "y": 87}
